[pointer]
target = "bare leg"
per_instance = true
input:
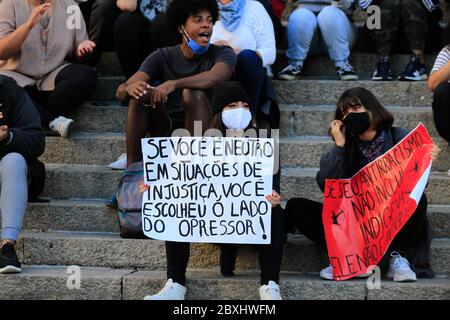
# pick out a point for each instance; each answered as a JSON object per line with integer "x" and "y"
{"x": 196, "y": 108}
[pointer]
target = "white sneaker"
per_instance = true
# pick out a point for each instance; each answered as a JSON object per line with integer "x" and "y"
{"x": 61, "y": 125}
{"x": 327, "y": 273}
{"x": 399, "y": 268}
{"x": 171, "y": 291}
{"x": 448, "y": 172}
{"x": 120, "y": 163}
{"x": 270, "y": 291}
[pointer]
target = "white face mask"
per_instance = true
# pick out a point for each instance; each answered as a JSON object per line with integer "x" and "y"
{"x": 237, "y": 119}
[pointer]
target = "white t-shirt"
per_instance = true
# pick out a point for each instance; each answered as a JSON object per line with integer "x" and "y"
{"x": 255, "y": 32}
{"x": 442, "y": 59}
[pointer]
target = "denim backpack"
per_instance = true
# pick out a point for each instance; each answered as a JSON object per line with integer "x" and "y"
{"x": 129, "y": 202}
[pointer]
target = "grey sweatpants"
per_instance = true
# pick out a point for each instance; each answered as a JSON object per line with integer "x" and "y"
{"x": 13, "y": 194}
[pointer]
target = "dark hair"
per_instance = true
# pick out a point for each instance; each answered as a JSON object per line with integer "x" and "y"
{"x": 380, "y": 118}
{"x": 178, "y": 11}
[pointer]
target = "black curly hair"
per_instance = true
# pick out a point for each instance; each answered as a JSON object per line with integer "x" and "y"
{"x": 178, "y": 11}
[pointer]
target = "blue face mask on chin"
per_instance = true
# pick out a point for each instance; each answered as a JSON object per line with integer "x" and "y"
{"x": 194, "y": 46}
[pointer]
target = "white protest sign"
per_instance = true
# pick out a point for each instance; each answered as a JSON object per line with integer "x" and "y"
{"x": 208, "y": 189}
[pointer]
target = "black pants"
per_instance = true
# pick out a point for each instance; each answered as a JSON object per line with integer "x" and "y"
{"x": 135, "y": 37}
{"x": 100, "y": 16}
{"x": 441, "y": 110}
{"x": 73, "y": 85}
{"x": 306, "y": 216}
{"x": 269, "y": 255}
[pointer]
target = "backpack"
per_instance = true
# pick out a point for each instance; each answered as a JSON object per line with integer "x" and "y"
{"x": 129, "y": 202}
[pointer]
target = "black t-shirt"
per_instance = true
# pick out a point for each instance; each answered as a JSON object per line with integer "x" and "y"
{"x": 170, "y": 64}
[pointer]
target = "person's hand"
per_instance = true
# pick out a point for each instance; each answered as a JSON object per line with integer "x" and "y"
{"x": 222, "y": 43}
{"x": 434, "y": 152}
{"x": 37, "y": 13}
{"x": 143, "y": 187}
{"x": 161, "y": 92}
{"x": 85, "y": 48}
{"x": 138, "y": 89}
{"x": 274, "y": 198}
{"x": 338, "y": 132}
{"x": 3, "y": 130}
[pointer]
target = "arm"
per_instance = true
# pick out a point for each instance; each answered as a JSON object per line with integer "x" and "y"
{"x": 331, "y": 166}
{"x": 265, "y": 35}
{"x": 25, "y": 135}
{"x": 438, "y": 77}
{"x": 10, "y": 44}
{"x": 127, "y": 5}
{"x": 206, "y": 80}
{"x": 135, "y": 87}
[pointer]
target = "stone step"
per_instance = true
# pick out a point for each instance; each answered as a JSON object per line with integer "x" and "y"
{"x": 300, "y": 182}
{"x": 316, "y": 91}
{"x": 98, "y": 182}
{"x": 299, "y": 120}
{"x": 103, "y": 148}
{"x": 94, "y": 216}
{"x": 109, "y": 250}
{"x": 296, "y": 120}
{"x": 320, "y": 65}
{"x": 206, "y": 285}
{"x": 50, "y": 282}
{"x": 78, "y": 215}
{"x": 305, "y": 151}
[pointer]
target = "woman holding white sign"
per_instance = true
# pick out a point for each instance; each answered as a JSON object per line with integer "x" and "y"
{"x": 362, "y": 131}
{"x": 231, "y": 114}
{"x": 231, "y": 109}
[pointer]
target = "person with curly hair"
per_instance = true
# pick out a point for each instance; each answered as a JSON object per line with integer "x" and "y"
{"x": 171, "y": 90}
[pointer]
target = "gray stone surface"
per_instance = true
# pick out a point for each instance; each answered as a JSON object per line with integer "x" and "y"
{"x": 93, "y": 118}
{"x": 96, "y": 149}
{"x": 50, "y": 283}
{"x": 83, "y": 215}
{"x": 306, "y": 151}
{"x": 298, "y": 120}
{"x": 297, "y": 182}
{"x": 320, "y": 92}
{"x": 108, "y": 250}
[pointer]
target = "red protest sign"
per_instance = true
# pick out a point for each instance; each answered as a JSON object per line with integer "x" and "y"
{"x": 363, "y": 214}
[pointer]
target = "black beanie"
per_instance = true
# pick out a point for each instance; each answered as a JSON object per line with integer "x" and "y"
{"x": 226, "y": 93}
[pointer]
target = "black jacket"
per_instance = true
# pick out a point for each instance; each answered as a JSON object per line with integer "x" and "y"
{"x": 341, "y": 163}
{"x": 25, "y": 135}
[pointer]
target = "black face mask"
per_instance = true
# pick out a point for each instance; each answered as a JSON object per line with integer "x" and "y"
{"x": 357, "y": 122}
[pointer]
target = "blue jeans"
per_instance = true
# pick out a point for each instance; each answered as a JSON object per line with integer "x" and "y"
{"x": 13, "y": 194}
{"x": 337, "y": 34}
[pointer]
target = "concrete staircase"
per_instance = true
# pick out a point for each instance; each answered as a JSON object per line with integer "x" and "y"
{"x": 76, "y": 228}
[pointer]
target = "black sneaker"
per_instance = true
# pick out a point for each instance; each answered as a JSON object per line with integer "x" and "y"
{"x": 346, "y": 72}
{"x": 383, "y": 71}
{"x": 291, "y": 72}
{"x": 414, "y": 71}
{"x": 8, "y": 260}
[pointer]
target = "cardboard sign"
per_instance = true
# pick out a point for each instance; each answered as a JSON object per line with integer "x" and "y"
{"x": 362, "y": 215}
{"x": 208, "y": 189}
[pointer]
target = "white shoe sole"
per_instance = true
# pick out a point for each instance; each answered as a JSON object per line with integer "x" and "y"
{"x": 10, "y": 269}
{"x": 287, "y": 77}
{"x": 398, "y": 278}
{"x": 349, "y": 78}
{"x": 382, "y": 79}
{"x": 422, "y": 78}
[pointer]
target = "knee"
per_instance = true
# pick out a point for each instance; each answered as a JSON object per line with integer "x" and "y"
{"x": 14, "y": 162}
{"x": 124, "y": 22}
{"x": 442, "y": 93}
{"x": 248, "y": 59}
{"x": 193, "y": 97}
{"x": 83, "y": 77}
{"x": 330, "y": 17}
{"x": 302, "y": 19}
